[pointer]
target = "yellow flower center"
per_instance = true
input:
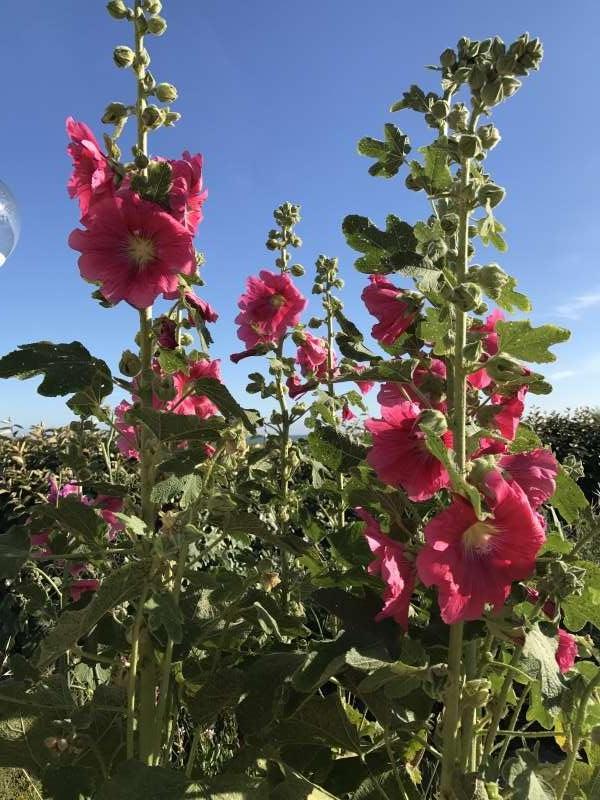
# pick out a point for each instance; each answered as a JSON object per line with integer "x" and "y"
{"x": 277, "y": 300}
{"x": 478, "y": 536}
{"x": 141, "y": 250}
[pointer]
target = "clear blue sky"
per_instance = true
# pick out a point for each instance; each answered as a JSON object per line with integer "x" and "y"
{"x": 276, "y": 99}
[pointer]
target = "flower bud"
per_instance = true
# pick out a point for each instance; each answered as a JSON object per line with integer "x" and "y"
{"x": 448, "y": 58}
{"x": 297, "y": 270}
{"x": 506, "y": 64}
{"x": 433, "y": 421}
{"x": 440, "y": 109}
{"x": 130, "y": 364}
{"x": 492, "y": 194}
{"x": 492, "y": 93}
{"x": 117, "y": 9}
{"x": 141, "y": 161}
{"x": 449, "y": 222}
{"x": 317, "y": 288}
{"x": 166, "y": 92}
{"x": 489, "y": 136}
{"x": 185, "y": 339}
{"x": 502, "y": 368}
{"x": 123, "y": 56}
{"x": 458, "y": 118}
{"x": 477, "y": 78}
{"x": 153, "y": 6}
{"x": 315, "y": 322}
{"x": 171, "y": 117}
{"x": 157, "y": 25}
{"x": 153, "y": 117}
{"x": 163, "y": 387}
{"x": 468, "y": 145}
{"x": 414, "y": 182}
{"x": 114, "y": 113}
{"x": 467, "y": 297}
{"x": 510, "y": 86}
{"x": 476, "y": 693}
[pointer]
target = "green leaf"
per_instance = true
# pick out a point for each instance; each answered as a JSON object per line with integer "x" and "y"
{"x": 390, "y": 153}
{"x": 373, "y": 148}
{"x": 158, "y": 182}
{"x": 434, "y": 329}
{"x": 539, "y": 660}
{"x": 296, "y": 787}
{"x": 169, "y": 427}
{"x": 187, "y": 487}
{"x": 15, "y": 547}
{"x": 509, "y": 299}
{"x": 172, "y": 361}
{"x": 264, "y": 683}
{"x": 520, "y": 340}
{"x": 76, "y": 517}
{"x": 225, "y": 402}
{"x": 123, "y": 584}
{"x": 568, "y": 499}
{"x": 524, "y": 776}
{"x": 436, "y": 169}
{"x": 525, "y": 439}
{"x": 243, "y": 523}
{"x": 220, "y": 692}
{"x": 389, "y": 250}
{"x": 319, "y": 721}
{"x": 66, "y": 368}
{"x": 164, "y": 612}
{"x": 579, "y": 610}
{"x": 437, "y": 448}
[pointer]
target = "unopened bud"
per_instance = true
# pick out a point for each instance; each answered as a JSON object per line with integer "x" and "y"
{"x": 157, "y": 25}
{"x": 166, "y": 92}
{"x": 469, "y": 145}
{"x": 153, "y": 6}
{"x": 117, "y": 9}
{"x": 489, "y": 136}
{"x": 492, "y": 93}
{"x": 492, "y": 194}
{"x": 458, "y": 118}
{"x": 448, "y": 58}
{"x": 153, "y": 117}
{"x": 440, "y": 109}
{"x": 171, "y": 117}
{"x": 467, "y": 297}
{"x": 315, "y": 322}
{"x": 130, "y": 364}
{"x": 123, "y": 56}
{"x": 510, "y": 86}
{"x": 502, "y": 368}
{"x": 114, "y": 113}
{"x": 476, "y": 693}
{"x": 141, "y": 161}
{"x": 317, "y": 288}
{"x": 449, "y": 222}
{"x": 297, "y": 270}
{"x": 433, "y": 421}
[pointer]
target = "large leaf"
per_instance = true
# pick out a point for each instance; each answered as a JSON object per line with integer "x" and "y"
{"x": 244, "y": 523}
{"x": 169, "y": 427}
{"x": 436, "y": 168}
{"x": 123, "y": 584}
{"x": 539, "y": 660}
{"x": 390, "y": 154}
{"x": 568, "y": 498}
{"x": 385, "y": 251}
{"x": 584, "y": 608}
{"x": 225, "y": 402}
{"x": 520, "y": 340}
{"x": 319, "y": 721}
{"x": 220, "y": 692}
{"x": 524, "y": 777}
{"x": 334, "y": 449}
{"x": 74, "y": 516}
{"x": 66, "y": 368}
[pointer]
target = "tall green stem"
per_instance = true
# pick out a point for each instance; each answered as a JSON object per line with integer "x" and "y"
{"x": 341, "y": 511}
{"x": 576, "y": 738}
{"x": 500, "y": 706}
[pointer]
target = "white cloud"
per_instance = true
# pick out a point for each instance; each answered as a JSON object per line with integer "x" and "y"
{"x": 575, "y": 308}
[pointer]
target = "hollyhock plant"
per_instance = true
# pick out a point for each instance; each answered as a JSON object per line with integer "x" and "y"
{"x": 480, "y": 379}
{"x": 429, "y": 386}
{"x": 186, "y": 401}
{"x": 92, "y": 179}
{"x": 312, "y": 356}
{"x": 400, "y": 456}
{"x": 133, "y": 249}
{"x": 186, "y": 195}
{"x": 474, "y": 562}
{"x": 206, "y": 311}
{"x": 567, "y": 650}
{"x": 389, "y": 305}
{"x": 507, "y": 411}
{"x": 127, "y": 439}
{"x": 534, "y": 471}
{"x": 270, "y": 305}
{"x": 392, "y": 565}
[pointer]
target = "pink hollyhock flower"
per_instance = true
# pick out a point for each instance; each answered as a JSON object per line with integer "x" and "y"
{"x": 509, "y": 412}
{"x": 79, "y": 587}
{"x": 56, "y": 493}
{"x": 92, "y": 179}
{"x": 204, "y": 308}
{"x": 296, "y": 387}
{"x": 41, "y": 542}
{"x": 399, "y": 455}
{"x": 237, "y": 357}
{"x": 481, "y": 379}
{"x": 347, "y": 414}
{"x": 270, "y": 305}
{"x": 167, "y": 337}
{"x": 312, "y": 356}
{"x": 209, "y": 450}
{"x": 186, "y": 195}
{"x": 185, "y": 401}
{"x": 364, "y": 386}
{"x": 429, "y": 382}
{"x": 396, "y": 571}
{"x": 109, "y": 506}
{"x": 127, "y": 440}
{"x": 472, "y": 562}
{"x": 133, "y": 249}
{"x": 386, "y": 302}
{"x": 535, "y": 472}
{"x": 567, "y": 650}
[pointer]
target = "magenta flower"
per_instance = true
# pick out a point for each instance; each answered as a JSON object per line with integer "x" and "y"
{"x": 167, "y": 334}
{"x": 480, "y": 379}
{"x": 270, "y": 305}
{"x": 186, "y": 195}
{"x": 429, "y": 386}
{"x": 312, "y": 356}
{"x": 92, "y": 179}
{"x": 347, "y": 414}
{"x": 396, "y": 571}
{"x": 567, "y": 651}
{"x": 206, "y": 311}
{"x": 472, "y": 562}
{"x": 364, "y": 386}
{"x": 56, "y": 493}
{"x": 388, "y": 304}
{"x": 186, "y": 401}
{"x": 509, "y": 412}
{"x": 399, "y": 455}
{"x": 127, "y": 440}
{"x": 133, "y": 249}
{"x": 81, "y": 586}
{"x": 535, "y": 472}
{"x": 109, "y": 506}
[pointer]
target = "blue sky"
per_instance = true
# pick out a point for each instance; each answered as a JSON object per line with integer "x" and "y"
{"x": 276, "y": 100}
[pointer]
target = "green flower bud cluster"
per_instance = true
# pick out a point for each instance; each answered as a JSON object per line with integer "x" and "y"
{"x": 286, "y": 215}
{"x": 118, "y": 10}
{"x": 123, "y": 56}
{"x": 116, "y": 113}
{"x": 492, "y": 279}
{"x": 562, "y": 580}
{"x": 476, "y": 693}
